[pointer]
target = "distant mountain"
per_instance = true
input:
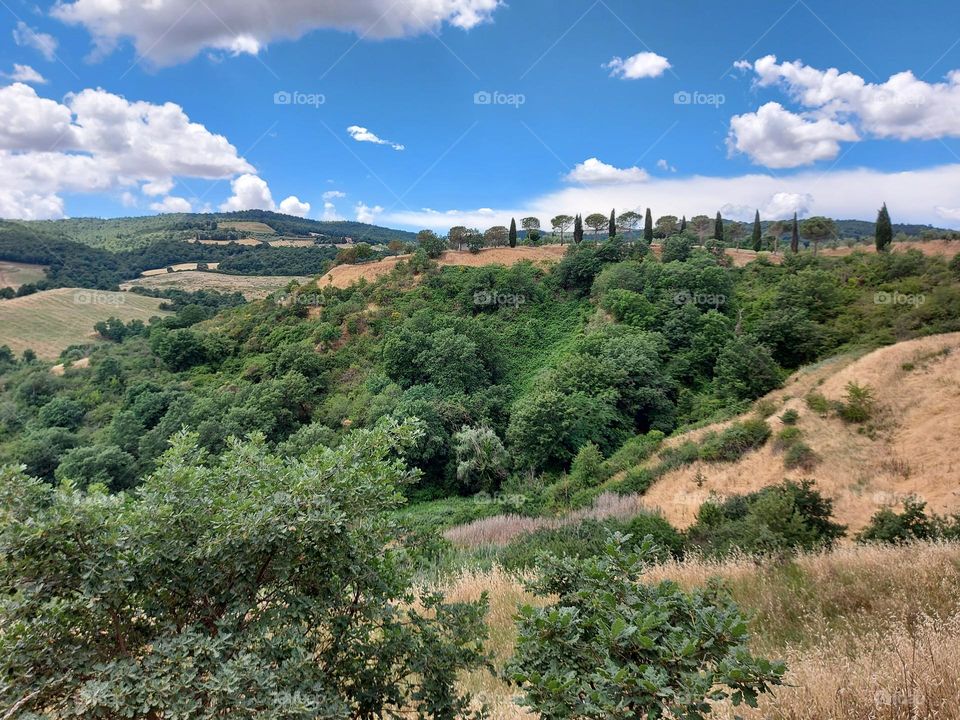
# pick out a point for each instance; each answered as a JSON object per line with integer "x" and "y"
{"x": 857, "y": 229}
{"x": 130, "y": 233}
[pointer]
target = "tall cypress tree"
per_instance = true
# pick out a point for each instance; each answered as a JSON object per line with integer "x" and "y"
{"x": 648, "y": 227}
{"x": 884, "y": 232}
{"x": 683, "y": 224}
{"x": 613, "y": 223}
{"x": 757, "y": 237}
{"x": 718, "y": 227}
{"x": 513, "y": 232}
{"x": 795, "y": 237}
{"x": 577, "y": 229}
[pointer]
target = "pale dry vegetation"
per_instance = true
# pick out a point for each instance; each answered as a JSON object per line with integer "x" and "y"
{"x": 867, "y": 632}
{"x": 252, "y": 287}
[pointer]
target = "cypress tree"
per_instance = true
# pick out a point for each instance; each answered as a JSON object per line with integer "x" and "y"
{"x": 577, "y": 229}
{"x": 513, "y": 232}
{"x": 648, "y": 227}
{"x": 613, "y": 223}
{"x": 884, "y": 232}
{"x": 683, "y": 224}
{"x": 757, "y": 237}
{"x": 718, "y": 227}
{"x": 795, "y": 237}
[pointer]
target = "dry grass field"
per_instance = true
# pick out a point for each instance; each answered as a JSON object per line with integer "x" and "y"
{"x": 241, "y": 241}
{"x": 253, "y": 287}
{"x": 246, "y": 226}
{"x": 345, "y": 275}
{"x": 14, "y": 274}
{"x": 50, "y": 321}
{"x": 868, "y": 633}
{"x": 179, "y": 267}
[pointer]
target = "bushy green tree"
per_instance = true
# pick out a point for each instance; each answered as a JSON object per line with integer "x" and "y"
{"x": 745, "y": 369}
{"x": 107, "y": 465}
{"x": 611, "y": 646}
{"x": 482, "y": 461}
{"x": 245, "y": 586}
{"x": 884, "y": 231}
{"x": 431, "y": 243}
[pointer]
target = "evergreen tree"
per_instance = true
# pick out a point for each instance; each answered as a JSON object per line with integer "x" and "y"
{"x": 884, "y": 232}
{"x": 648, "y": 227}
{"x": 683, "y": 224}
{"x": 795, "y": 237}
{"x": 613, "y": 223}
{"x": 718, "y": 227}
{"x": 757, "y": 236}
{"x": 513, "y": 232}
{"x": 577, "y": 229}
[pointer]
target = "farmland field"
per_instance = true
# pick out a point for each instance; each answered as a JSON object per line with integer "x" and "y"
{"x": 253, "y": 287}
{"x": 246, "y": 226}
{"x": 14, "y": 274}
{"x": 50, "y": 321}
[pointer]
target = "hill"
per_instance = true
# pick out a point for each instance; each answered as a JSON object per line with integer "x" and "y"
{"x": 50, "y": 321}
{"x": 127, "y": 233}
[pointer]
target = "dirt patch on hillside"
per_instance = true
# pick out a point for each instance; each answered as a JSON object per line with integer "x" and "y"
{"x": 345, "y": 275}
{"x": 252, "y": 287}
{"x": 916, "y": 450}
{"x": 947, "y": 248}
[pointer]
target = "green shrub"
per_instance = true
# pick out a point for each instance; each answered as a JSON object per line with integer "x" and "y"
{"x": 790, "y": 417}
{"x": 786, "y": 438}
{"x": 633, "y": 452}
{"x": 858, "y": 405}
{"x": 800, "y": 455}
{"x": 818, "y": 403}
{"x": 764, "y": 408}
{"x": 775, "y": 519}
{"x": 677, "y": 456}
{"x": 735, "y": 441}
{"x": 587, "y": 467}
{"x": 610, "y": 645}
{"x": 912, "y": 524}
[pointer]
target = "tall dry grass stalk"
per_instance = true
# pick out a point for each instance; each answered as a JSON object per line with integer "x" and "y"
{"x": 868, "y": 633}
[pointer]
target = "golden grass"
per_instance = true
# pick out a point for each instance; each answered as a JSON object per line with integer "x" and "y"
{"x": 13, "y": 274}
{"x": 867, "y": 632}
{"x": 50, "y": 321}
{"x": 179, "y": 267}
{"x": 246, "y": 226}
{"x": 253, "y": 287}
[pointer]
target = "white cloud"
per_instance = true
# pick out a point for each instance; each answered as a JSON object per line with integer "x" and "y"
{"x": 904, "y": 107}
{"x": 856, "y": 193}
{"x": 641, "y": 65}
{"x": 95, "y": 141}
{"x": 171, "y": 204}
{"x": 361, "y": 134}
{"x": 294, "y": 206}
{"x": 948, "y": 213}
{"x": 330, "y": 212}
{"x": 175, "y": 30}
{"x": 778, "y": 206}
{"x": 334, "y": 194}
{"x": 25, "y": 74}
{"x": 250, "y": 192}
{"x": 128, "y": 199}
{"x": 44, "y": 43}
{"x": 777, "y": 138}
{"x": 595, "y": 172}
{"x": 665, "y": 166}
{"x": 367, "y": 214}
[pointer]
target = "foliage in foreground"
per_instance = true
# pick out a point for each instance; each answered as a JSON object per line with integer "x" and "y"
{"x": 612, "y": 646}
{"x": 245, "y": 586}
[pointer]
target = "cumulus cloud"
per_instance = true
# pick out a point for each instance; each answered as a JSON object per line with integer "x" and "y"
{"x": 635, "y": 67}
{"x": 856, "y": 193}
{"x": 250, "y": 192}
{"x": 367, "y": 214}
{"x": 665, "y": 166}
{"x": 334, "y": 194}
{"x": 25, "y": 74}
{"x": 330, "y": 212}
{"x": 44, "y": 43}
{"x": 948, "y": 213}
{"x": 840, "y": 107}
{"x": 294, "y": 206}
{"x": 595, "y": 172}
{"x": 94, "y": 141}
{"x": 361, "y": 134}
{"x": 777, "y": 138}
{"x": 175, "y": 30}
{"x": 171, "y": 204}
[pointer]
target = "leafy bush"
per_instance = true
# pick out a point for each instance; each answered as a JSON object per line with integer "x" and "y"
{"x": 858, "y": 405}
{"x": 786, "y": 438}
{"x": 247, "y": 586}
{"x": 818, "y": 403}
{"x": 800, "y": 455}
{"x": 745, "y": 369}
{"x": 587, "y": 467}
{"x": 912, "y": 524}
{"x": 775, "y": 519}
{"x": 482, "y": 461}
{"x": 613, "y": 646}
{"x": 735, "y": 441}
{"x": 677, "y": 456}
{"x": 790, "y": 417}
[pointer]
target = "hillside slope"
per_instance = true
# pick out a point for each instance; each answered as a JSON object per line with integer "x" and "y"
{"x": 914, "y": 450}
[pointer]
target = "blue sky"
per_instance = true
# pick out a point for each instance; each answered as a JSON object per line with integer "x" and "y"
{"x": 122, "y": 107}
